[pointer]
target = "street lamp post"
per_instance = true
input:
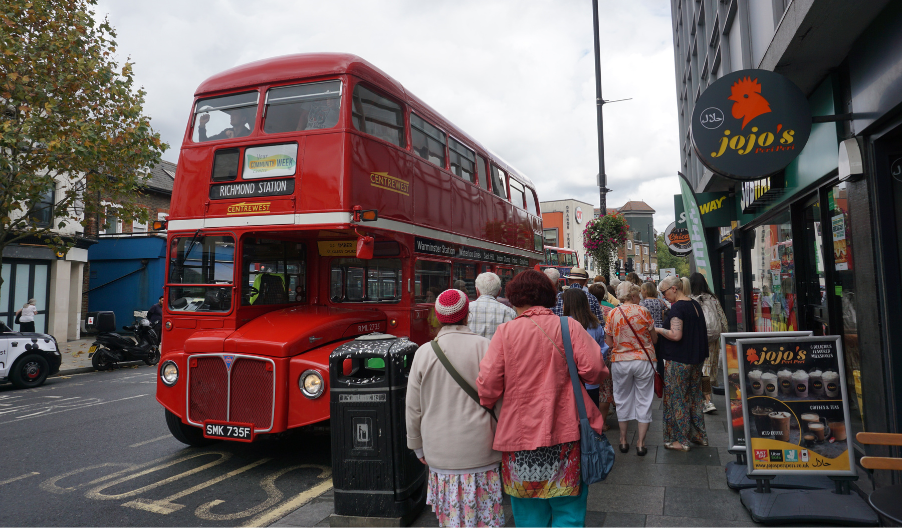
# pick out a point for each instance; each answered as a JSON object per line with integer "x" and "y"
{"x": 599, "y": 103}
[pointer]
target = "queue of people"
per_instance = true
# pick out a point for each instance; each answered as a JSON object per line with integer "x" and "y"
{"x": 491, "y": 407}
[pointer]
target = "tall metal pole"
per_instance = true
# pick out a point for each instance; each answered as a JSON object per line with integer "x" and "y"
{"x": 599, "y": 103}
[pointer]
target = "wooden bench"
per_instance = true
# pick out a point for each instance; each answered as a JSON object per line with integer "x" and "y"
{"x": 887, "y": 501}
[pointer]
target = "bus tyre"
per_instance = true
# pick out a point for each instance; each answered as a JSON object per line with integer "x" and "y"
{"x": 30, "y": 371}
{"x": 184, "y": 433}
{"x": 101, "y": 361}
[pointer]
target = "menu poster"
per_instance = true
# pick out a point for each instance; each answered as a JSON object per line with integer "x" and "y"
{"x": 730, "y": 365}
{"x": 795, "y": 406}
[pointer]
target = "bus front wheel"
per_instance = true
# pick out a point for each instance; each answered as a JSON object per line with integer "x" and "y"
{"x": 184, "y": 433}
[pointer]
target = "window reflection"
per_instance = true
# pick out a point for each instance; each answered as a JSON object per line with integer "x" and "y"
{"x": 773, "y": 292}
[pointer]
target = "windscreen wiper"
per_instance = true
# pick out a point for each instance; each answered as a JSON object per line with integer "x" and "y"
{"x": 190, "y": 247}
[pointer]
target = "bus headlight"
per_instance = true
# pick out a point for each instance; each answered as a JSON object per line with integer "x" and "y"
{"x": 311, "y": 384}
{"x": 169, "y": 373}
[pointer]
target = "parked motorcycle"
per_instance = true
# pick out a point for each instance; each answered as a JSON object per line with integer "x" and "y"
{"x": 111, "y": 348}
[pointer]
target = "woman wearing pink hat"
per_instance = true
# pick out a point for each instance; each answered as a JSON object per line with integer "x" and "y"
{"x": 447, "y": 427}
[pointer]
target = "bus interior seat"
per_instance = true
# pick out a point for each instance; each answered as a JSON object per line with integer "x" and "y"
{"x": 272, "y": 290}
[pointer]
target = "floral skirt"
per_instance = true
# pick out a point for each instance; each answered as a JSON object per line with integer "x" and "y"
{"x": 471, "y": 499}
{"x": 544, "y": 473}
{"x": 606, "y": 394}
{"x": 684, "y": 404}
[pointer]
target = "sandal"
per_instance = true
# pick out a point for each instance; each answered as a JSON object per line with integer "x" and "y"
{"x": 624, "y": 448}
{"x": 702, "y": 443}
{"x": 673, "y": 445}
{"x": 641, "y": 451}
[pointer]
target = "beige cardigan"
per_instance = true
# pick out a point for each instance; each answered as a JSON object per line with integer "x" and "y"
{"x": 453, "y": 431}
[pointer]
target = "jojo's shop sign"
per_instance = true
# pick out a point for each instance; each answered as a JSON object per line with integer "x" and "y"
{"x": 750, "y": 124}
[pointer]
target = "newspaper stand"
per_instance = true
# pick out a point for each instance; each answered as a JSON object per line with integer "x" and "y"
{"x": 374, "y": 474}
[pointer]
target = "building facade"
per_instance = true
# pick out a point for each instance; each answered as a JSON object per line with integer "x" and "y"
{"x": 564, "y": 222}
{"x": 816, "y": 247}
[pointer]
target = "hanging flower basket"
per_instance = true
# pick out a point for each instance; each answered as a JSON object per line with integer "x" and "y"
{"x": 603, "y": 236}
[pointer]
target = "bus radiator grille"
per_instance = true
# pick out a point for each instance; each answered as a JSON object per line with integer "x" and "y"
{"x": 208, "y": 390}
{"x": 251, "y": 393}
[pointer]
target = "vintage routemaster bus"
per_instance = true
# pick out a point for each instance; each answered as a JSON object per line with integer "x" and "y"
{"x": 317, "y": 200}
{"x": 561, "y": 259}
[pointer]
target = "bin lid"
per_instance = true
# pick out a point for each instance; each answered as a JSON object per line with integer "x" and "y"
{"x": 375, "y": 336}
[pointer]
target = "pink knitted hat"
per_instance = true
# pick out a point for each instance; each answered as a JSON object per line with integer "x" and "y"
{"x": 452, "y": 306}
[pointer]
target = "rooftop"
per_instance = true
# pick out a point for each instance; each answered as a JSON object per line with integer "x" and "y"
{"x": 162, "y": 177}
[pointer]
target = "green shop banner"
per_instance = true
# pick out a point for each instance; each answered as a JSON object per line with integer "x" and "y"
{"x": 696, "y": 232}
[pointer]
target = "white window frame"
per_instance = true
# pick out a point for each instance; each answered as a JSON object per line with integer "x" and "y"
{"x": 645, "y": 249}
{"x": 629, "y": 244}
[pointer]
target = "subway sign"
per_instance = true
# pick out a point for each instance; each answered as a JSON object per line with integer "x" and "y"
{"x": 750, "y": 124}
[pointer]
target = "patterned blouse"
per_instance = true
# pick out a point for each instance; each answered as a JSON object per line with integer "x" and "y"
{"x": 656, "y": 307}
{"x": 626, "y": 346}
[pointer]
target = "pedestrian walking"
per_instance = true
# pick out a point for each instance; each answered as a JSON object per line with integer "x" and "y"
{"x": 600, "y": 291}
{"x": 25, "y": 316}
{"x": 577, "y": 278}
{"x": 576, "y": 305}
{"x": 715, "y": 324}
{"x": 684, "y": 347}
{"x": 538, "y": 429}
{"x": 555, "y": 277}
{"x": 630, "y": 333}
{"x": 447, "y": 428}
{"x": 486, "y": 313}
{"x": 657, "y": 308}
{"x": 634, "y": 278}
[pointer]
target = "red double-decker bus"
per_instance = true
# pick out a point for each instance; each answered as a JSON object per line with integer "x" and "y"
{"x": 317, "y": 200}
{"x": 561, "y": 259}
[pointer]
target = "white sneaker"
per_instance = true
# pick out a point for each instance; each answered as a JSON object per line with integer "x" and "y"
{"x": 709, "y": 407}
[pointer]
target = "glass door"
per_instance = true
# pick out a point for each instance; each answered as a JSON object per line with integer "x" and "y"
{"x": 812, "y": 280}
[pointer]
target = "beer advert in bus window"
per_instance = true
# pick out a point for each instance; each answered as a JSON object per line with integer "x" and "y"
{"x": 270, "y": 161}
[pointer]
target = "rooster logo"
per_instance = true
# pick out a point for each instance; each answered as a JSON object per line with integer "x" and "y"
{"x": 747, "y": 100}
{"x": 751, "y": 355}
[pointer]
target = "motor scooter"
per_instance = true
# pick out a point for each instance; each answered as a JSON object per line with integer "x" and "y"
{"x": 111, "y": 348}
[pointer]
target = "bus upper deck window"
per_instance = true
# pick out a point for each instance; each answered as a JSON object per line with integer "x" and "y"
{"x": 531, "y": 201}
{"x": 311, "y": 106}
{"x": 463, "y": 160}
{"x": 428, "y": 141}
{"x": 378, "y": 116}
{"x": 517, "y": 194}
{"x": 480, "y": 170}
{"x": 498, "y": 182}
{"x": 225, "y": 117}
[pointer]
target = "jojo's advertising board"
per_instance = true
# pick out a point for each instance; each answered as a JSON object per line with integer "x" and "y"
{"x": 730, "y": 364}
{"x": 795, "y": 406}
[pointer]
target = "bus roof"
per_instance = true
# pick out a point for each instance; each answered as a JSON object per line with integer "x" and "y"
{"x": 306, "y": 65}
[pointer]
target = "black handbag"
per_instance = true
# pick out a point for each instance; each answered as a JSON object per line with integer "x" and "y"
{"x": 18, "y": 318}
{"x": 596, "y": 452}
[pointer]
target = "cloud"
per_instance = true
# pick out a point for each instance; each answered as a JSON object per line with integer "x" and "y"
{"x": 517, "y": 76}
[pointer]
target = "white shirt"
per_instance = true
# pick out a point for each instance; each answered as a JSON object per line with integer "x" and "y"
{"x": 28, "y": 313}
{"x": 487, "y": 314}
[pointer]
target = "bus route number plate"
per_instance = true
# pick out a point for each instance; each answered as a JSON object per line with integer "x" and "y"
{"x": 229, "y": 431}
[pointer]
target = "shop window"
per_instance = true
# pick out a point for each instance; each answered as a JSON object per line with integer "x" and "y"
{"x": 773, "y": 295}
{"x": 377, "y": 116}
{"x": 274, "y": 272}
{"x": 355, "y": 280}
{"x": 432, "y": 278}
{"x": 465, "y": 279}
{"x": 462, "y": 159}
{"x": 427, "y": 141}
{"x": 302, "y": 107}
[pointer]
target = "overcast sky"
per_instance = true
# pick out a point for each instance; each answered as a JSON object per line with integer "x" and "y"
{"x": 516, "y": 75}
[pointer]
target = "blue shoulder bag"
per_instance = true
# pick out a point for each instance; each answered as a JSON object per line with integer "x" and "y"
{"x": 596, "y": 453}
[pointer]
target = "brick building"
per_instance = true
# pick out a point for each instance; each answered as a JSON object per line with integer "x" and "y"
{"x": 640, "y": 250}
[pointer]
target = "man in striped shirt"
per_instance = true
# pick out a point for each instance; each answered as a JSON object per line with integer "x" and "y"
{"x": 486, "y": 313}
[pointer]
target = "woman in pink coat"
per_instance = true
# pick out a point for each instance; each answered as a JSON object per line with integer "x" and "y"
{"x": 538, "y": 429}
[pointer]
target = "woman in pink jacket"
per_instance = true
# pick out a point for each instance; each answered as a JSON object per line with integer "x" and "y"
{"x": 538, "y": 429}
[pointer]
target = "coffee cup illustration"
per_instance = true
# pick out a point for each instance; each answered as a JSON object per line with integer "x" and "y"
{"x": 762, "y": 419}
{"x": 779, "y": 423}
{"x": 838, "y": 429}
{"x": 820, "y": 430}
{"x": 800, "y": 383}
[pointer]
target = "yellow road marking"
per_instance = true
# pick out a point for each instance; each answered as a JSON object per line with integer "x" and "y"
{"x": 20, "y": 477}
{"x": 289, "y": 506}
{"x": 139, "y": 444}
{"x": 50, "y": 484}
{"x": 95, "y": 493}
{"x": 166, "y": 506}
{"x": 272, "y": 492}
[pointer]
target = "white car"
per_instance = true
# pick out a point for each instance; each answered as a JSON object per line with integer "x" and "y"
{"x": 26, "y": 358}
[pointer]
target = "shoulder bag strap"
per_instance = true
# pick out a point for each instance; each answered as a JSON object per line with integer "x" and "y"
{"x": 571, "y": 366}
{"x": 627, "y": 319}
{"x": 559, "y": 351}
{"x": 471, "y": 392}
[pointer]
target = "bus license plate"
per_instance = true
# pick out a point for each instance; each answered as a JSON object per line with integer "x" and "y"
{"x": 229, "y": 431}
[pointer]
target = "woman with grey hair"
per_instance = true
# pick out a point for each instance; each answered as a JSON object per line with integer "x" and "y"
{"x": 685, "y": 347}
{"x": 630, "y": 332}
{"x": 26, "y": 316}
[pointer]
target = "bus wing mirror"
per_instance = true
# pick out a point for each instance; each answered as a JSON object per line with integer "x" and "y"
{"x": 365, "y": 246}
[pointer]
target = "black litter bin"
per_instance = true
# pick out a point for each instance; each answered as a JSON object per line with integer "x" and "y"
{"x": 373, "y": 472}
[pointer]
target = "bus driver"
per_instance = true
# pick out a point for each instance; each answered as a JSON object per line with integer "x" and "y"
{"x": 241, "y": 120}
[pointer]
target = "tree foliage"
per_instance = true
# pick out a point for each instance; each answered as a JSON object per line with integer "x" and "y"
{"x": 72, "y": 122}
{"x": 602, "y": 236}
{"x": 668, "y": 260}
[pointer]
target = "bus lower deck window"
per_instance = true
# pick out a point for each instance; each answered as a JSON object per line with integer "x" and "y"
{"x": 357, "y": 280}
{"x": 273, "y": 272}
{"x": 432, "y": 278}
{"x": 206, "y": 263}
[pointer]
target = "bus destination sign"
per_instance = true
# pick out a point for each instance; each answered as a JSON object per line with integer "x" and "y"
{"x": 449, "y": 250}
{"x": 224, "y": 191}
